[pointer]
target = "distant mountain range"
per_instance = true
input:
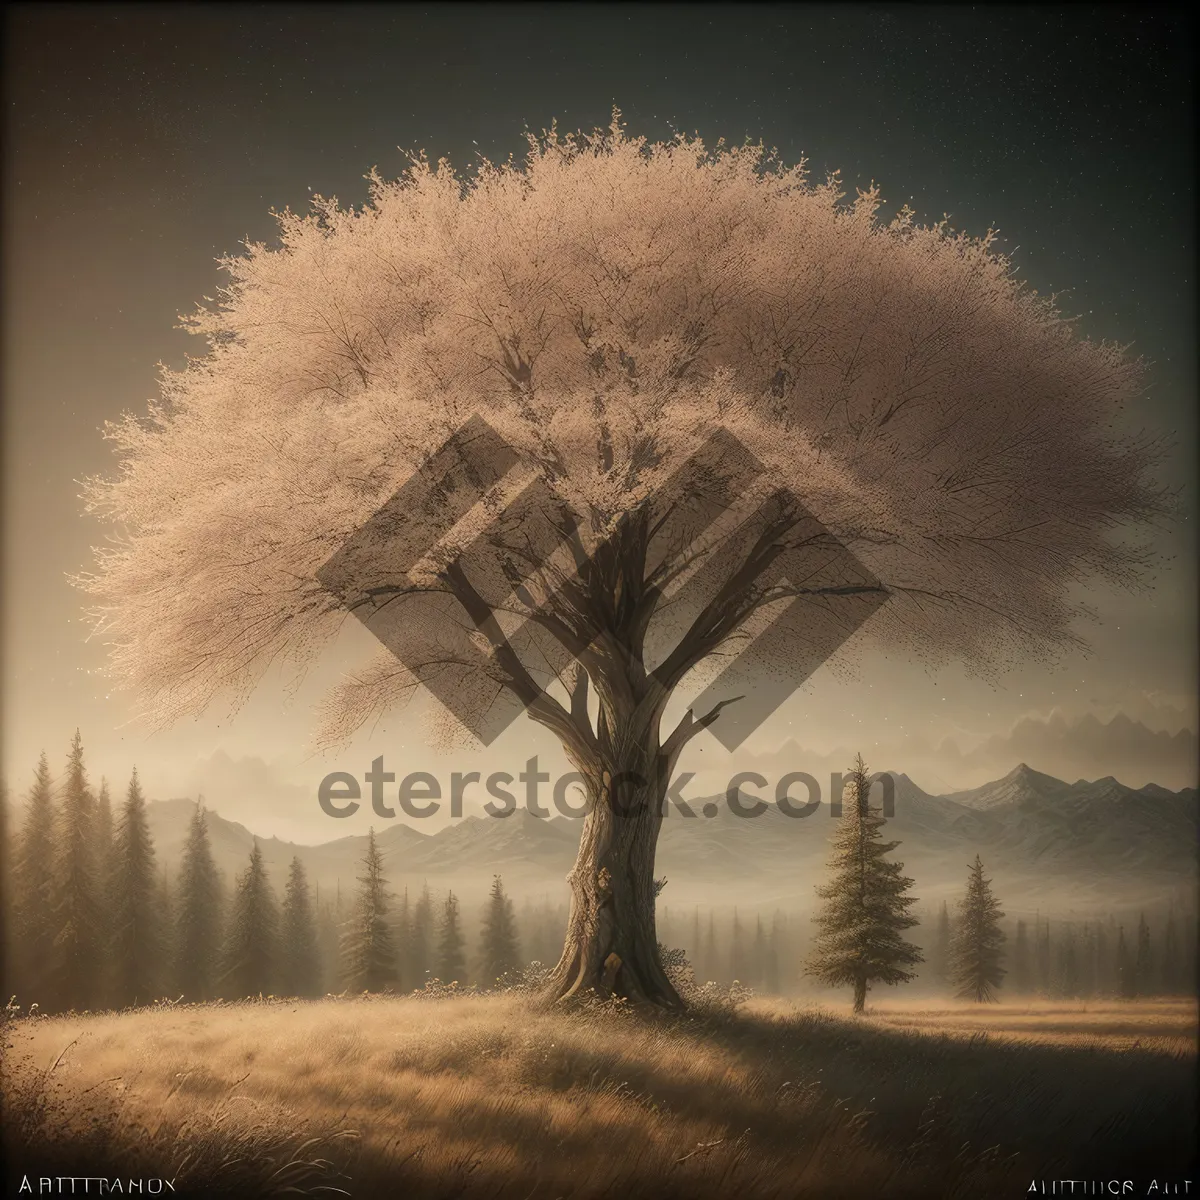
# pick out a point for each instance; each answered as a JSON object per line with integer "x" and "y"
{"x": 1039, "y": 836}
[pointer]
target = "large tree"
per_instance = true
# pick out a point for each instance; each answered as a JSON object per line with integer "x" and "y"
{"x": 76, "y": 899}
{"x": 976, "y": 950}
{"x": 251, "y": 964}
{"x": 710, "y": 378}
{"x": 30, "y": 936}
{"x": 198, "y": 913}
{"x": 137, "y": 941}
{"x": 299, "y": 955}
{"x": 864, "y": 911}
{"x": 499, "y": 951}
{"x": 368, "y": 948}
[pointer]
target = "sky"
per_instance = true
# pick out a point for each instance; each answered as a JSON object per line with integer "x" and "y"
{"x": 141, "y": 143}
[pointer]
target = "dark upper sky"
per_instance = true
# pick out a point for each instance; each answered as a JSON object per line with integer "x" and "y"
{"x": 143, "y": 141}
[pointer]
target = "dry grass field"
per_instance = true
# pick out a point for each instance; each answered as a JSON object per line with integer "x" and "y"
{"x": 483, "y": 1097}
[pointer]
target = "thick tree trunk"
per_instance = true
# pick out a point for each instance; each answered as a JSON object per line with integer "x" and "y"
{"x": 611, "y": 943}
{"x": 860, "y": 995}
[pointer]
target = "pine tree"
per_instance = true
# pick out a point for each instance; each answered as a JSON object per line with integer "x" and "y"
{"x": 1143, "y": 965}
{"x": 368, "y": 952}
{"x": 76, "y": 900}
{"x": 1022, "y": 966}
{"x": 136, "y": 944}
{"x": 499, "y": 951}
{"x": 299, "y": 965}
{"x": 451, "y": 964}
{"x": 865, "y": 911}
{"x": 251, "y": 947}
{"x": 198, "y": 914}
{"x": 975, "y": 954}
{"x": 32, "y": 927}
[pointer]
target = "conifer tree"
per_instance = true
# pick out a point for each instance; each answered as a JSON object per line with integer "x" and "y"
{"x": 198, "y": 914}
{"x": 866, "y": 910}
{"x": 105, "y": 832}
{"x": 975, "y": 952}
{"x": 451, "y": 962}
{"x": 76, "y": 901}
{"x": 329, "y": 942}
{"x": 31, "y": 931}
{"x": 136, "y": 943}
{"x": 369, "y": 954}
{"x": 1022, "y": 966}
{"x": 251, "y": 949}
{"x": 299, "y": 964}
{"x": 499, "y": 950}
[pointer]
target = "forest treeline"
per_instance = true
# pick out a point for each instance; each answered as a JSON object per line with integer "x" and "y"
{"x": 93, "y": 919}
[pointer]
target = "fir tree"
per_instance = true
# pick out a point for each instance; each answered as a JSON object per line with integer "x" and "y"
{"x": 451, "y": 964}
{"x": 32, "y": 929}
{"x": 369, "y": 955}
{"x": 865, "y": 911}
{"x": 136, "y": 944}
{"x": 76, "y": 900}
{"x": 975, "y": 953}
{"x": 1022, "y": 966}
{"x": 299, "y": 964}
{"x": 251, "y": 946}
{"x": 499, "y": 952}
{"x": 198, "y": 914}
